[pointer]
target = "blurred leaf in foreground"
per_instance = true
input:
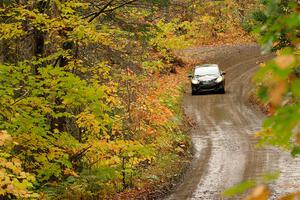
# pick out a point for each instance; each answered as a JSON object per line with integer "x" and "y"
{"x": 261, "y": 192}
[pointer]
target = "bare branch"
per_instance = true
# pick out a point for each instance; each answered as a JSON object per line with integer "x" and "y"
{"x": 100, "y": 11}
{"x": 122, "y": 5}
{"x": 105, "y": 10}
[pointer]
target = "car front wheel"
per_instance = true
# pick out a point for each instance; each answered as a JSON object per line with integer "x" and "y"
{"x": 222, "y": 90}
{"x": 194, "y": 90}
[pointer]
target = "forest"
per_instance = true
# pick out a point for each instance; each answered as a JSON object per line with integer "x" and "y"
{"x": 91, "y": 91}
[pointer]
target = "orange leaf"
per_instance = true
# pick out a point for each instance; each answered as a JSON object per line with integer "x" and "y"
{"x": 285, "y": 61}
{"x": 277, "y": 92}
{"x": 259, "y": 193}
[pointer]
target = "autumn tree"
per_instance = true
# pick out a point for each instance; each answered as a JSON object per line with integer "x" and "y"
{"x": 72, "y": 75}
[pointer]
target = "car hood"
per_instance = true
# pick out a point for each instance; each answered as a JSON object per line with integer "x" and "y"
{"x": 207, "y": 78}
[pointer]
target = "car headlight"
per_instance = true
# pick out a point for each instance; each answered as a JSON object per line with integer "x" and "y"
{"x": 219, "y": 79}
{"x": 195, "y": 81}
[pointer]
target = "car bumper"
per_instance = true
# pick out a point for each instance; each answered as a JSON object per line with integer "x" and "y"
{"x": 207, "y": 87}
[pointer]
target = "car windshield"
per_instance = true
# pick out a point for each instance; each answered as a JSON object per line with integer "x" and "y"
{"x": 202, "y": 71}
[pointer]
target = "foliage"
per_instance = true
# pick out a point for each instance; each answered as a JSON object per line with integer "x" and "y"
{"x": 276, "y": 22}
{"x": 77, "y": 98}
{"x": 278, "y": 80}
{"x": 239, "y": 189}
{"x": 14, "y": 182}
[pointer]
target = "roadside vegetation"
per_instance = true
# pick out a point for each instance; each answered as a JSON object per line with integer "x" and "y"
{"x": 90, "y": 93}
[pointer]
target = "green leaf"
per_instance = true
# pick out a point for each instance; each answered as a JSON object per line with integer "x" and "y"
{"x": 295, "y": 152}
{"x": 239, "y": 189}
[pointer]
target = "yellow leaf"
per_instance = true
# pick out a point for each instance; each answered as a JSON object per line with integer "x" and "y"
{"x": 4, "y": 137}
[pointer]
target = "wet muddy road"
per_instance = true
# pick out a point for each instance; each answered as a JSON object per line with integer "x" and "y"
{"x": 224, "y": 146}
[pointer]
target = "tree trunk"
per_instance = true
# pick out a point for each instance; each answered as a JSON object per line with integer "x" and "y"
{"x": 39, "y": 36}
{"x": 124, "y": 173}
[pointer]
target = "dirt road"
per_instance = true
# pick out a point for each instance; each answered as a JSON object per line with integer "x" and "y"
{"x": 224, "y": 146}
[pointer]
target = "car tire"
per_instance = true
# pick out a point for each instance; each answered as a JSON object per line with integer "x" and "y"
{"x": 222, "y": 90}
{"x": 194, "y": 92}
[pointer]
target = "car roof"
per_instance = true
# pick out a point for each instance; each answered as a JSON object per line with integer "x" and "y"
{"x": 207, "y": 65}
